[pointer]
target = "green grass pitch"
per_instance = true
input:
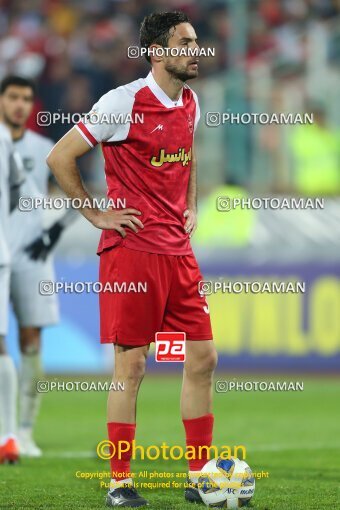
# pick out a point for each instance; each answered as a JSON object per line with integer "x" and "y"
{"x": 294, "y": 436}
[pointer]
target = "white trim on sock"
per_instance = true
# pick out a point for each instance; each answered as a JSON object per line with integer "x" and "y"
{"x": 114, "y": 484}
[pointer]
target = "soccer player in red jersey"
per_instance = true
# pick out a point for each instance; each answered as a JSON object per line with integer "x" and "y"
{"x": 146, "y": 129}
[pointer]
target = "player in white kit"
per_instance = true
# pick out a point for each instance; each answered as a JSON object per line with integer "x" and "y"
{"x": 30, "y": 246}
{"x": 11, "y": 178}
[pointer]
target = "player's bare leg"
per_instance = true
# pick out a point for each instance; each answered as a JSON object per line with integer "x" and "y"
{"x": 9, "y": 451}
{"x": 201, "y": 360}
{"x": 29, "y": 398}
{"x": 196, "y": 405}
{"x": 129, "y": 369}
{"x": 121, "y": 413}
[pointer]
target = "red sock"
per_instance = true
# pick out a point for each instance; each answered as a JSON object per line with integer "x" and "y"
{"x": 198, "y": 432}
{"x": 120, "y": 468}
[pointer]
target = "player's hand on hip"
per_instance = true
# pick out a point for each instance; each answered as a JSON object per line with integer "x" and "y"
{"x": 118, "y": 219}
{"x": 191, "y": 222}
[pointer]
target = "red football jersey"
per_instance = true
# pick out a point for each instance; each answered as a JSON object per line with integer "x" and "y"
{"x": 147, "y": 144}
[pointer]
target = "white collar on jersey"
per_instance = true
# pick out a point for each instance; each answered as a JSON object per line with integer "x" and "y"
{"x": 160, "y": 94}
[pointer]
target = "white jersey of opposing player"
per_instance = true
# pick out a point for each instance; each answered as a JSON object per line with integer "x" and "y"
{"x": 27, "y": 226}
{"x": 6, "y": 149}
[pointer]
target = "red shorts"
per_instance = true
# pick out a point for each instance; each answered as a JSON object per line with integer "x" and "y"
{"x": 146, "y": 292}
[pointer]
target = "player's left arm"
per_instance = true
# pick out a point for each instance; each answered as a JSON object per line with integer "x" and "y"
{"x": 191, "y": 212}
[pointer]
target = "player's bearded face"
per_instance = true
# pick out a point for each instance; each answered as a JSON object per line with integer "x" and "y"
{"x": 182, "y": 70}
{"x": 183, "y": 67}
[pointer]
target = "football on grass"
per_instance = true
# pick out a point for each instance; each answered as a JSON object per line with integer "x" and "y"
{"x": 226, "y": 483}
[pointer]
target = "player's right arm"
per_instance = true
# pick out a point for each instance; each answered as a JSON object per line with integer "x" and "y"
{"x": 62, "y": 161}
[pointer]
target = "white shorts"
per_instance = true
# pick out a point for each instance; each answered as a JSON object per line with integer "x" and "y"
{"x": 31, "y": 308}
{"x": 4, "y": 298}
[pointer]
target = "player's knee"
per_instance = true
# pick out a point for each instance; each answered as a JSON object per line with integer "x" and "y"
{"x": 134, "y": 371}
{"x": 209, "y": 363}
{"x": 30, "y": 341}
{"x": 211, "y": 360}
{"x": 204, "y": 366}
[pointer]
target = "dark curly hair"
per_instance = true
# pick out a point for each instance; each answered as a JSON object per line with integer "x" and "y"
{"x": 155, "y": 28}
{"x": 18, "y": 81}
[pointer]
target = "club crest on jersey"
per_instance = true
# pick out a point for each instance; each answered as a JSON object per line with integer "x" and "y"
{"x": 174, "y": 157}
{"x": 190, "y": 123}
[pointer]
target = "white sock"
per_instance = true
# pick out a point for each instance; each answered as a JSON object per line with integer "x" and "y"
{"x": 29, "y": 401}
{"x": 8, "y": 396}
{"x": 114, "y": 484}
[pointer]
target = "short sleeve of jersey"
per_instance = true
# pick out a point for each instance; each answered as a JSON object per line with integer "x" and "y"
{"x": 198, "y": 110}
{"x": 107, "y": 120}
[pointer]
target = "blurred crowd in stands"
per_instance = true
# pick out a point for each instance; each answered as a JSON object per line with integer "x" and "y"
{"x": 77, "y": 49}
